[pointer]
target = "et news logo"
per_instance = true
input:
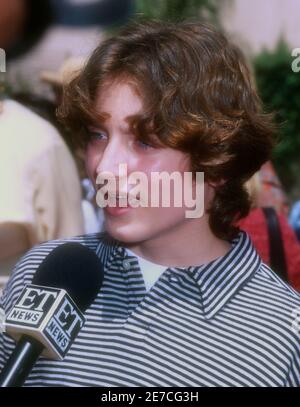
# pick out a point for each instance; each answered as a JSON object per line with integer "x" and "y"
{"x": 32, "y": 305}
{"x": 64, "y": 325}
{"x": 50, "y": 315}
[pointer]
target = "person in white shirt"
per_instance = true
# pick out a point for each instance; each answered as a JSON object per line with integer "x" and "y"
{"x": 40, "y": 193}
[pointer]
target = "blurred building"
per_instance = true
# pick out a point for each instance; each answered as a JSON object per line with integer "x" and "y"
{"x": 258, "y": 24}
{"x": 79, "y": 25}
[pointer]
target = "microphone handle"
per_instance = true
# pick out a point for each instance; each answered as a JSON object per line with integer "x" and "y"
{"x": 21, "y": 361}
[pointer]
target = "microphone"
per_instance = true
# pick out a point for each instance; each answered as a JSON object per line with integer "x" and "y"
{"x": 48, "y": 314}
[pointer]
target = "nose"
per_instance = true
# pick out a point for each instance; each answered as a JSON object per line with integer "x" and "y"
{"x": 113, "y": 161}
{"x": 114, "y": 153}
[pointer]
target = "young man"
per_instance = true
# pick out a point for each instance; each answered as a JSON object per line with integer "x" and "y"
{"x": 185, "y": 301}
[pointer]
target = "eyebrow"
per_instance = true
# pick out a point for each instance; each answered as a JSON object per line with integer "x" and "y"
{"x": 101, "y": 118}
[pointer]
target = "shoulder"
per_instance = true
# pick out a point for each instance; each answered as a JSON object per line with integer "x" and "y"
{"x": 30, "y": 132}
{"x": 275, "y": 297}
{"x": 276, "y": 304}
{"x": 18, "y": 115}
{"x": 267, "y": 277}
{"x": 269, "y": 309}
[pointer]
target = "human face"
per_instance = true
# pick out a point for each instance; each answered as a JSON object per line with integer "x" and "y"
{"x": 113, "y": 143}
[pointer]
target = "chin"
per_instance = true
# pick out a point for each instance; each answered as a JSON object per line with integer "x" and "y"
{"x": 127, "y": 233}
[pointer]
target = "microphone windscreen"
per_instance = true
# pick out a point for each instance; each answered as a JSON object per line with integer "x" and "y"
{"x": 74, "y": 268}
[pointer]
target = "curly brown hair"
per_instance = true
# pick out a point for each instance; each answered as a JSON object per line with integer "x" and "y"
{"x": 199, "y": 98}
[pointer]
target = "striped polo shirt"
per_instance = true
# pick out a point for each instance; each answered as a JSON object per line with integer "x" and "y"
{"x": 230, "y": 322}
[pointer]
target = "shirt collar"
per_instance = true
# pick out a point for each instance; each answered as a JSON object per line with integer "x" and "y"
{"x": 107, "y": 249}
{"x": 218, "y": 281}
{"x": 221, "y": 279}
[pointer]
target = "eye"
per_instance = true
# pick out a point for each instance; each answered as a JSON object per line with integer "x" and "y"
{"x": 96, "y": 135}
{"x": 143, "y": 145}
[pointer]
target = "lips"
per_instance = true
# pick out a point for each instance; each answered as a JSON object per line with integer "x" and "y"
{"x": 114, "y": 200}
{"x": 120, "y": 200}
{"x": 117, "y": 205}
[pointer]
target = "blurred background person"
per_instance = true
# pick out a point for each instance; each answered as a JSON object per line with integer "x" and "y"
{"x": 47, "y": 32}
{"x": 294, "y": 218}
{"x": 22, "y": 24}
{"x": 267, "y": 225}
{"x": 40, "y": 193}
{"x": 266, "y": 189}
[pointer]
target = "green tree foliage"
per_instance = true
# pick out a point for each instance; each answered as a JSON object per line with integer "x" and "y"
{"x": 279, "y": 88}
{"x": 173, "y": 10}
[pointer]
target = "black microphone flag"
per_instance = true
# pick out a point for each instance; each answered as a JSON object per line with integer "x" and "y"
{"x": 48, "y": 314}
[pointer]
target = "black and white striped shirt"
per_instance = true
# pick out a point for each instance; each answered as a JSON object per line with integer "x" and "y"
{"x": 231, "y": 322}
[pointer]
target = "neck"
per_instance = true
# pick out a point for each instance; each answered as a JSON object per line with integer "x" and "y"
{"x": 193, "y": 245}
